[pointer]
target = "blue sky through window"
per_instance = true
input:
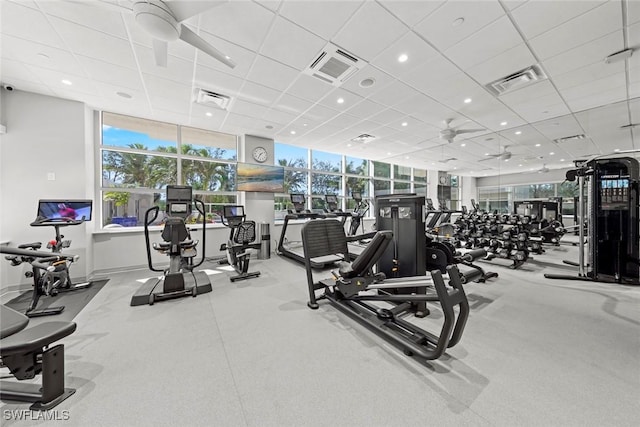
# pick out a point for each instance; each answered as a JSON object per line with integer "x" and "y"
{"x": 116, "y": 137}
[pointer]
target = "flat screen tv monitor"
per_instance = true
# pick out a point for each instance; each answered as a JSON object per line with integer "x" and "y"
{"x": 181, "y": 193}
{"x": 233, "y": 211}
{"x": 74, "y": 209}
{"x": 260, "y": 178}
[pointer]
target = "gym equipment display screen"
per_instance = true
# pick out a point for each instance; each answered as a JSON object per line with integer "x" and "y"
{"x": 75, "y": 209}
{"x": 260, "y": 178}
{"x": 297, "y": 199}
{"x": 233, "y": 211}
{"x": 179, "y": 208}
{"x": 614, "y": 193}
{"x": 330, "y": 198}
{"x": 182, "y": 193}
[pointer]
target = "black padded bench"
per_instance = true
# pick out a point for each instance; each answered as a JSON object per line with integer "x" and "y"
{"x": 26, "y": 352}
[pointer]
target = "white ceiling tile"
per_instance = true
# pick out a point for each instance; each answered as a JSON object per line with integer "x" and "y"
{"x": 320, "y": 113}
{"x": 586, "y": 27}
{"x": 280, "y": 117}
{"x": 423, "y": 77}
{"x": 292, "y": 104}
{"x": 109, "y": 93}
{"x": 411, "y": 12}
{"x": 590, "y": 100}
{"x": 502, "y": 65}
{"x": 12, "y": 70}
{"x": 246, "y": 108}
{"x": 272, "y": 74}
{"x": 167, "y": 89}
{"x": 537, "y": 17}
{"x": 94, "y": 44}
{"x": 40, "y": 55}
{"x": 291, "y": 44}
{"x": 241, "y": 22}
{"x": 633, "y": 11}
{"x": 342, "y": 121}
{"x": 349, "y": 100}
{"x": 319, "y": 17}
{"x": 588, "y": 53}
{"x": 215, "y": 81}
{"x": 425, "y": 109}
{"x": 523, "y": 95}
{"x": 453, "y": 90}
{"x": 29, "y": 84}
{"x": 114, "y": 74}
{"x": 309, "y": 88}
{"x": 513, "y": 4}
{"x": 392, "y": 94}
{"x": 365, "y": 109}
{"x": 380, "y": 78}
{"x": 176, "y": 69}
{"x": 88, "y": 14}
{"x": 53, "y": 79}
{"x": 437, "y": 28}
{"x": 258, "y": 94}
{"x": 594, "y": 87}
{"x": 417, "y": 50}
{"x": 634, "y": 108}
{"x": 363, "y": 34}
{"x": 29, "y": 24}
{"x": 488, "y": 42}
{"x": 241, "y": 56}
{"x": 387, "y": 116}
{"x": 588, "y": 74}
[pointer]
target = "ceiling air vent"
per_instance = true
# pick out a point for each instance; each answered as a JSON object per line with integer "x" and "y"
{"x": 569, "y": 138}
{"x": 364, "y": 138}
{"x": 206, "y": 97}
{"x": 334, "y": 65}
{"x": 516, "y": 80}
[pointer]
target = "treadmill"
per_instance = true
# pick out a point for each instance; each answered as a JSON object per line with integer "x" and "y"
{"x": 294, "y": 250}
{"x": 355, "y": 242}
{"x": 432, "y": 218}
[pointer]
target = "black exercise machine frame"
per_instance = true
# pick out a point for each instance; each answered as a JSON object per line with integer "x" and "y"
{"x": 237, "y": 255}
{"x": 343, "y": 292}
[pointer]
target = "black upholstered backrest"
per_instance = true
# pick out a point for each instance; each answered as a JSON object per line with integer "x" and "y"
{"x": 371, "y": 253}
{"x": 245, "y": 233}
{"x": 324, "y": 237}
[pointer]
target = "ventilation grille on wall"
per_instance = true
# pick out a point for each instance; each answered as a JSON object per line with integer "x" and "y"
{"x": 569, "y": 138}
{"x": 516, "y": 80}
{"x": 206, "y": 97}
{"x": 364, "y": 138}
{"x": 334, "y": 65}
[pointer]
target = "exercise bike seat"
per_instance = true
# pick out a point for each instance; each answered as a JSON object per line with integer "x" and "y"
{"x": 17, "y": 339}
{"x": 35, "y": 246}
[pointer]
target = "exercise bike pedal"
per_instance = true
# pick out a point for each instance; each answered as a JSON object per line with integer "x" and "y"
{"x": 385, "y": 314}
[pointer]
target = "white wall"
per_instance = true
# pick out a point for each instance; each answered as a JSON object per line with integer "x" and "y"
{"x": 469, "y": 190}
{"x": 45, "y": 135}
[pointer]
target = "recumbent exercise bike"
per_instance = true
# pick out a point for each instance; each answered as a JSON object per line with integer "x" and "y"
{"x": 241, "y": 238}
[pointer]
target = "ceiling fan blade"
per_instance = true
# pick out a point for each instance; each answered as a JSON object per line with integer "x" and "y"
{"x": 199, "y": 43}
{"x": 468, "y": 130}
{"x": 110, "y": 5}
{"x": 182, "y": 9}
{"x": 160, "y": 52}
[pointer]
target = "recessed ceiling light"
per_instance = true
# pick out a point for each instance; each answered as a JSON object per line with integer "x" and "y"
{"x": 404, "y": 123}
{"x": 406, "y": 157}
{"x": 503, "y": 123}
{"x": 537, "y": 145}
{"x": 388, "y": 154}
{"x": 455, "y": 168}
{"x": 67, "y": 82}
{"x": 463, "y": 145}
{"x": 458, "y": 22}
{"x": 368, "y": 82}
{"x": 520, "y": 165}
{"x": 467, "y": 100}
{"x": 403, "y": 58}
{"x": 562, "y": 160}
{"x": 506, "y": 160}
{"x": 124, "y": 95}
{"x": 269, "y": 127}
{"x": 304, "y": 124}
{"x": 208, "y": 114}
{"x": 432, "y": 163}
{"x": 348, "y": 145}
{"x": 293, "y": 132}
{"x": 551, "y": 153}
{"x": 486, "y": 154}
{"x": 616, "y": 150}
{"x": 340, "y": 100}
{"x": 518, "y": 132}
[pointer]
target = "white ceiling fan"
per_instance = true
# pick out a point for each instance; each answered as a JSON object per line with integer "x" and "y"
{"x": 162, "y": 20}
{"x": 543, "y": 169}
{"x": 447, "y": 160}
{"x": 504, "y": 155}
{"x": 448, "y": 133}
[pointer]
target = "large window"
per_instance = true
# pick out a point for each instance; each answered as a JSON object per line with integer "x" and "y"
{"x": 140, "y": 157}
{"x": 502, "y": 198}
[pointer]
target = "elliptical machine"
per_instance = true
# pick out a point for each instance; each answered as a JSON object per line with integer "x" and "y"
{"x": 241, "y": 238}
{"x": 361, "y": 209}
{"x": 179, "y": 279}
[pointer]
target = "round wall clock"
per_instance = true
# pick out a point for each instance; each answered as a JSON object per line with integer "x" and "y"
{"x": 260, "y": 154}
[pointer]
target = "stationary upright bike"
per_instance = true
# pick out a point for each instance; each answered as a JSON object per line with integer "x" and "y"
{"x": 241, "y": 237}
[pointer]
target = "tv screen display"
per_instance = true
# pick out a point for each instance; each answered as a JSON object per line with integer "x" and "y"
{"x": 231, "y": 211}
{"x": 75, "y": 209}
{"x": 263, "y": 178}
{"x": 297, "y": 198}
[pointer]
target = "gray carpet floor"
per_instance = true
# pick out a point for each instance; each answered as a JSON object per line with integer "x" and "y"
{"x": 535, "y": 352}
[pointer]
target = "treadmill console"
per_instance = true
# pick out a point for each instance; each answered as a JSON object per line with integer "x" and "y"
{"x": 298, "y": 201}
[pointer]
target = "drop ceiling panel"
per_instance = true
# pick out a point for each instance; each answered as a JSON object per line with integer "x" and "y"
{"x": 488, "y": 42}
{"x": 438, "y": 27}
{"x": 88, "y": 14}
{"x": 291, "y": 45}
{"x": 241, "y": 22}
{"x": 587, "y": 74}
{"x": 490, "y": 113}
{"x": 317, "y": 17}
{"x": 541, "y": 108}
{"x": 175, "y": 70}
{"x": 321, "y": 113}
{"x": 53, "y": 79}
{"x": 258, "y": 94}
{"x": 214, "y": 81}
{"x": 559, "y": 127}
{"x": 309, "y": 88}
{"x": 392, "y": 94}
{"x": 341, "y": 121}
{"x": 280, "y": 117}
{"x": 426, "y": 109}
{"x": 365, "y": 109}
{"x": 587, "y": 27}
{"x": 578, "y": 149}
{"x": 590, "y": 53}
{"x": 40, "y": 55}
{"x": 387, "y": 116}
{"x": 453, "y": 90}
{"x": 108, "y": 93}
{"x": 380, "y": 78}
{"x": 424, "y": 76}
{"x": 524, "y": 95}
{"x": 599, "y": 92}
{"x": 15, "y": 70}
{"x": 537, "y": 17}
{"x": 502, "y": 65}
{"x": 29, "y": 24}
{"x": 95, "y": 44}
{"x": 417, "y": 50}
{"x": 633, "y": 12}
{"x": 411, "y": 12}
{"x": 363, "y": 36}
{"x": 272, "y": 74}
{"x": 111, "y": 73}
{"x": 241, "y": 56}
{"x": 247, "y": 108}
{"x": 292, "y": 104}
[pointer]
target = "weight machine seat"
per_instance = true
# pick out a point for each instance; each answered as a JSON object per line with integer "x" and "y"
{"x": 16, "y": 339}
{"x": 165, "y": 246}
{"x": 35, "y": 246}
{"x": 369, "y": 256}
